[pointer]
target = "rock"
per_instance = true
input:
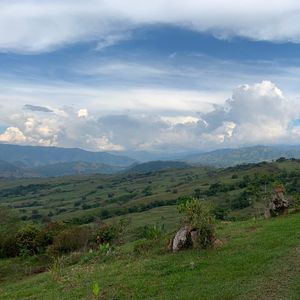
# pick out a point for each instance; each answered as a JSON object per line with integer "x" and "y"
{"x": 181, "y": 239}
{"x": 217, "y": 244}
{"x": 267, "y": 213}
{"x": 194, "y": 238}
{"x": 187, "y": 237}
{"x": 278, "y": 205}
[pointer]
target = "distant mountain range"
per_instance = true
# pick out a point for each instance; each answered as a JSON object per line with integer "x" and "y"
{"x": 29, "y": 161}
{"x": 34, "y": 156}
{"x": 254, "y": 154}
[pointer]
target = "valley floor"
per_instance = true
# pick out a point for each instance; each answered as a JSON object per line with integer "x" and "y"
{"x": 259, "y": 260}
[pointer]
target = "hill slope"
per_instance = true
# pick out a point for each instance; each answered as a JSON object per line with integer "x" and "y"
{"x": 260, "y": 260}
{"x": 74, "y": 168}
{"x": 81, "y": 199}
{"x": 158, "y": 165}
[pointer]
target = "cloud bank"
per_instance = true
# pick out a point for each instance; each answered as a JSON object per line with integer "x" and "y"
{"x": 36, "y": 26}
{"x": 257, "y": 113}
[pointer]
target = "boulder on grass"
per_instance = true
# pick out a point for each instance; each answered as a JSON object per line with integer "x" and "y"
{"x": 278, "y": 205}
{"x": 217, "y": 244}
{"x": 188, "y": 237}
{"x": 182, "y": 239}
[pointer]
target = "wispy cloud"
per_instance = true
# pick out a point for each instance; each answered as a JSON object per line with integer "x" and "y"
{"x": 35, "y": 26}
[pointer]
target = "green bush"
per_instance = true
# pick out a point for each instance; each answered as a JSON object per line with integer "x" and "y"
{"x": 8, "y": 246}
{"x": 221, "y": 213}
{"x": 31, "y": 239}
{"x": 142, "y": 246}
{"x": 107, "y": 233}
{"x": 70, "y": 239}
{"x": 151, "y": 232}
{"x": 197, "y": 215}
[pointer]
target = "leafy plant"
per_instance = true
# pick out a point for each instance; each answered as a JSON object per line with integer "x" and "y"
{"x": 197, "y": 215}
{"x": 96, "y": 290}
{"x": 152, "y": 232}
{"x": 55, "y": 269}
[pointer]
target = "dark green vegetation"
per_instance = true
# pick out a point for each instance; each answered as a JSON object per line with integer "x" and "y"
{"x": 237, "y": 192}
{"x": 157, "y": 165}
{"x": 55, "y": 227}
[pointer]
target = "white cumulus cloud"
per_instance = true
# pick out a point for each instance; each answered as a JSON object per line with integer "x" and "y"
{"x": 83, "y": 113}
{"x": 257, "y": 113}
{"x": 13, "y": 135}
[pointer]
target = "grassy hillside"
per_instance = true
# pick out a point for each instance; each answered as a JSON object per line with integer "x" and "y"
{"x": 82, "y": 198}
{"x": 259, "y": 260}
{"x": 158, "y": 165}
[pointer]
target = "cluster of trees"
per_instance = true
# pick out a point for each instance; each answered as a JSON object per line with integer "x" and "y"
{"x": 23, "y": 190}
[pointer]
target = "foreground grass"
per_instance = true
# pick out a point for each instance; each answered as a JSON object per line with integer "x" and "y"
{"x": 259, "y": 260}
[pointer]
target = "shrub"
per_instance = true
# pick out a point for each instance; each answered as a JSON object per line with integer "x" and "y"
{"x": 108, "y": 233}
{"x": 197, "y": 216}
{"x": 8, "y": 246}
{"x": 221, "y": 213}
{"x": 30, "y": 239}
{"x": 70, "y": 239}
{"x": 105, "y": 233}
{"x": 142, "y": 246}
{"x": 151, "y": 232}
{"x": 51, "y": 230}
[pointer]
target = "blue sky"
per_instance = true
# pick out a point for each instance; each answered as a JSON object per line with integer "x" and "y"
{"x": 116, "y": 75}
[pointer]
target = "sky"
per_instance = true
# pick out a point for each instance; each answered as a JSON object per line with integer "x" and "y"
{"x": 160, "y": 75}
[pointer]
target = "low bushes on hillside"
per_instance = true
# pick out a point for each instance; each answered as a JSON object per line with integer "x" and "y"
{"x": 54, "y": 238}
{"x": 71, "y": 239}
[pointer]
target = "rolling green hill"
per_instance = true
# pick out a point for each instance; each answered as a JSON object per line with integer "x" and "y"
{"x": 81, "y": 199}
{"x": 259, "y": 259}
